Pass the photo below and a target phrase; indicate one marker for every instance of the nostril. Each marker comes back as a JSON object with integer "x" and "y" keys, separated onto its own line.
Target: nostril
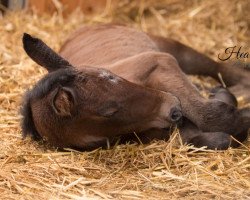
{"x": 175, "y": 115}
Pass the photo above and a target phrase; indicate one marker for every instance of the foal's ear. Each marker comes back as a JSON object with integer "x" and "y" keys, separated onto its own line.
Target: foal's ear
{"x": 43, "y": 55}
{"x": 63, "y": 101}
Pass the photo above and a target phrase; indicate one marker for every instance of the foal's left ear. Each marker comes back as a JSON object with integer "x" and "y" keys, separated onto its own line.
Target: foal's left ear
{"x": 63, "y": 101}
{"x": 43, "y": 55}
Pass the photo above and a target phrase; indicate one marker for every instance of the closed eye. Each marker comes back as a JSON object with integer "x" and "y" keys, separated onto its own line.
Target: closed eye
{"x": 108, "y": 109}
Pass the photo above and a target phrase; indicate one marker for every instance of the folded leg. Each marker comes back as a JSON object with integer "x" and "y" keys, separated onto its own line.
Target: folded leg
{"x": 191, "y": 134}
{"x": 236, "y": 77}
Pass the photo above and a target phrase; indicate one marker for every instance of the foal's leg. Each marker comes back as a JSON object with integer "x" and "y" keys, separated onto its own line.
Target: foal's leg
{"x": 191, "y": 134}
{"x": 222, "y": 94}
{"x": 193, "y": 62}
{"x": 161, "y": 71}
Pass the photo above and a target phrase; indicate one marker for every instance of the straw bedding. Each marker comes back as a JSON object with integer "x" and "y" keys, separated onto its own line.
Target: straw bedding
{"x": 160, "y": 170}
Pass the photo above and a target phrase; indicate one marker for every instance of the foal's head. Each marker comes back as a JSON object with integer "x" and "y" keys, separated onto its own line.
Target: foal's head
{"x": 73, "y": 107}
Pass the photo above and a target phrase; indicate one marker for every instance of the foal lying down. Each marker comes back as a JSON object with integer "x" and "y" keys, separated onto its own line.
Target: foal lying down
{"x": 109, "y": 81}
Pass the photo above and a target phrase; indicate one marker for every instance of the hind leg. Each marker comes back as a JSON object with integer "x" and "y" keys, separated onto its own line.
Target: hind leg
{"x": 192, "y": 62}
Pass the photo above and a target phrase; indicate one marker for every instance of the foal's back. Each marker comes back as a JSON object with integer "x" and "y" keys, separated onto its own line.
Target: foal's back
{"x": 104, "y": 45}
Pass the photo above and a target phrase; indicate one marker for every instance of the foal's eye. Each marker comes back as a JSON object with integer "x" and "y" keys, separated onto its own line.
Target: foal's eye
{"x": 108, "y": 109}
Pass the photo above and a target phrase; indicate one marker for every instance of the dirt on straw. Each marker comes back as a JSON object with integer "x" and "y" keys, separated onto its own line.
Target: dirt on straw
{"x": 160, "y": 170}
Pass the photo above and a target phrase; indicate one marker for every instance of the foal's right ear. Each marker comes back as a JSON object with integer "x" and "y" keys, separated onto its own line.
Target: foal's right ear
{"x": 43, "y": 55}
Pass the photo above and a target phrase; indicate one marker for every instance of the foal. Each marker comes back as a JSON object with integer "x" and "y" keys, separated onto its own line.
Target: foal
{"x": 111, "y": 80}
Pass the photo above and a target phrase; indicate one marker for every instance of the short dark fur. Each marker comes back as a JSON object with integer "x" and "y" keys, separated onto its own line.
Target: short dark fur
{"x": 70, "y": 113}
{"x": 43, "y": 87}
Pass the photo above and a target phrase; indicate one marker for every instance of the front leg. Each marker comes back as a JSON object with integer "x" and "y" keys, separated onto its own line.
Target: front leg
{"x": 191, "y": 134}
{"x": 161, "y": 71}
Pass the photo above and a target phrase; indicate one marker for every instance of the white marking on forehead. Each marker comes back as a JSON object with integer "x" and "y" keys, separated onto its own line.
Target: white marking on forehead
{"x": 112, "y": 78}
